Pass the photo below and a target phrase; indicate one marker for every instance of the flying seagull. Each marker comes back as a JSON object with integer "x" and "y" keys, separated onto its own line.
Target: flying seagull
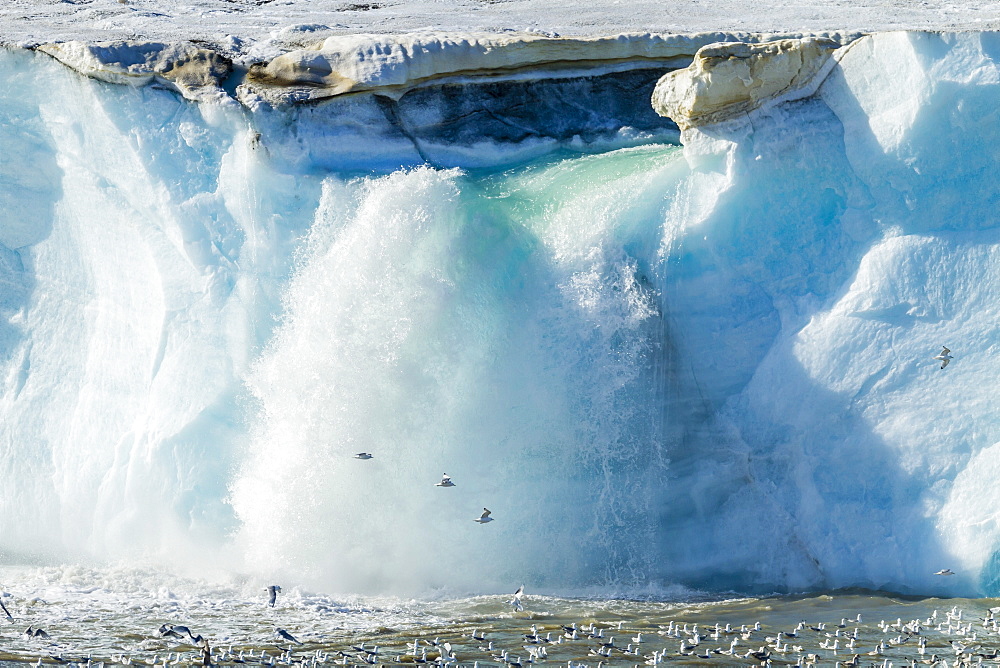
{"x": 178, "y": 631}
{"x": 6, "y": 611}
{"x": 272, "y": 594}
{"x": 168, "y": 630}
{"x": 516, "y": 601}
{"x": 445, "y": 481}
{"x": 945, "y": 571}
{"x": 363, "y": 455}
{"x": 485, "y": 517}
{"x": 944, "y": 356}
{"x": 282, "y": 633}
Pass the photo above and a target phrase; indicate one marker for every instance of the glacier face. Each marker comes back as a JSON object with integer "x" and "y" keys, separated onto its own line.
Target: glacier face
{"x": 860, "y": 221}
{"x": 141, "y": 248}
{"x": 707, "y": 366}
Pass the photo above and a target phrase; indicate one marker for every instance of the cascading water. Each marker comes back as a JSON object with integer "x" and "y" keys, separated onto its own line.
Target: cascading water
{"x": 497, "y": 328}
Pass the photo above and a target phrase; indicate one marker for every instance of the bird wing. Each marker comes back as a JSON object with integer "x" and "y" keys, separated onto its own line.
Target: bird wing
{"x": 945, "y": 350}
{"x": 486, "y": 513}
{"x": 944, "y": 363}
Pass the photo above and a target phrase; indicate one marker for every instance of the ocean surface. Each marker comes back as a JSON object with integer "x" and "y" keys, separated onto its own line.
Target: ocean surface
{"x": 113, "y": 615}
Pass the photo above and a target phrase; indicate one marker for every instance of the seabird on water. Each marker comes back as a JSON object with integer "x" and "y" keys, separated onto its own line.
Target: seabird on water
{"x": 945, "y": 571}
{"x": 445, "y": 481}
{"x": 944, "y": 356}
{"x": 363, "y": 455}
{"x": 32, "y": 632}
{"x": 485, "y": 517}
{"x": 272, "y": 594}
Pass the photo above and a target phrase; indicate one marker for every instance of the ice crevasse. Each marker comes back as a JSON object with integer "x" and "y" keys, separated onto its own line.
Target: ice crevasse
{"x": 708, "y": 365}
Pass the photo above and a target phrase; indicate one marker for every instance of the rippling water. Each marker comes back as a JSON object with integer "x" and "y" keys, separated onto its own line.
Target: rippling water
{"x": 112, "y": 616}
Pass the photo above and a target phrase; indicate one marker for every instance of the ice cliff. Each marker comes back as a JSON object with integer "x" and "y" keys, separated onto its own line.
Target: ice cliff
{"x": 705, "y": 364}
{"x": 851, "y": 221}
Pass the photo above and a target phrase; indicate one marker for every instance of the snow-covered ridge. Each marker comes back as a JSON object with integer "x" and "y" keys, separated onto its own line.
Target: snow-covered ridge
{"x": 387, "y": 64}
{"x": 449, "y": 99}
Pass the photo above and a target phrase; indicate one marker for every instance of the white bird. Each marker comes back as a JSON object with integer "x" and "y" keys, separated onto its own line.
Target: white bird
{"x": 516, "y": 601}
{"x": 272, "y": 594}
{"x": 445, "y": 481}
{"x": 945, "y": 571}
{"x": 363, "y": 455}
{"x": 944, "y": 356}
{"x": 485, "y": 517}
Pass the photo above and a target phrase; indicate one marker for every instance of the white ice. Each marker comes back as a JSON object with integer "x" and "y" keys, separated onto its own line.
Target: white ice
{"x": 712, "y": 369}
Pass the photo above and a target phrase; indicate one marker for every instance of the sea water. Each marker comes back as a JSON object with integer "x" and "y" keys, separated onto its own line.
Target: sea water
{"x": 112, "y": 615}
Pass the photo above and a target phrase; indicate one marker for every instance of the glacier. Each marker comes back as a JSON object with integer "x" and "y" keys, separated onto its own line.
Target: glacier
{"x": 659, "y": 356}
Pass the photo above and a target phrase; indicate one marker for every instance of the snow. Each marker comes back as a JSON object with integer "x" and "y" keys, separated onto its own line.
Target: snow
{"x": 260, "y": 29}
{"x": 195, "y": 73}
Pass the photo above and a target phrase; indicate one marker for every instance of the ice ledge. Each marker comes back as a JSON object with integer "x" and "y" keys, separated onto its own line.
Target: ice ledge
{"x": 389, "y": 65}
{"x": 727, "y": 80}
{"x": 195, "y": 72}
{"x": 393, "y": 64}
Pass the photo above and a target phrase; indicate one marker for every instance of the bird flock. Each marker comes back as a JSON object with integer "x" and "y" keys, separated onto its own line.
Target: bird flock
{"x": 446, "y": 481}
{"x": 514, "y": 636}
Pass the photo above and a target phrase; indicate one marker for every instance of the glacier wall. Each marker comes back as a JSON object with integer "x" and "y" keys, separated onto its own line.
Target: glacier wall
{"x": 142, "y": 241}
{"x": 851, "y": 233}
{"x": 706, "y": 365}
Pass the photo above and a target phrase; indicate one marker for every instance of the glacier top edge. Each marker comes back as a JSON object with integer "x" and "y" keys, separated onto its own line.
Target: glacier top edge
{"x": 384, "y": 64}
